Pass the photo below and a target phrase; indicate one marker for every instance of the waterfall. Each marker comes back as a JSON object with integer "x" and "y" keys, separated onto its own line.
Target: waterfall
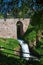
{"x": 26, "y": 52}
{"x": 25, "y": 49}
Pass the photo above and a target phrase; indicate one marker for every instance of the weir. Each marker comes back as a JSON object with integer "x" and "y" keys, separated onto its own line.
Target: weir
{"x": 26, "y": 52}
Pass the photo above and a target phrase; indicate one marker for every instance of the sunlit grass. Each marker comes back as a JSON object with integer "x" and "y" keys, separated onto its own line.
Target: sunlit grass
{"x": 9, "y": 43}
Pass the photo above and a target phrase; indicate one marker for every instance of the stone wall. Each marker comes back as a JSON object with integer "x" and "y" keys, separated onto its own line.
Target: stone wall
{"x": 8, "y": 28}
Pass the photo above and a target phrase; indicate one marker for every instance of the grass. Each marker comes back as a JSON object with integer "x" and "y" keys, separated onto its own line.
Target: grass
{"x": 9, "y": 43}
{"x": 5, "y": 60}
{"x": 14, "y": 60}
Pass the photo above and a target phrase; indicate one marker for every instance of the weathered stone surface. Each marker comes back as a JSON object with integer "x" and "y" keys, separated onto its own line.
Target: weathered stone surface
{"x": 8, "y": 28}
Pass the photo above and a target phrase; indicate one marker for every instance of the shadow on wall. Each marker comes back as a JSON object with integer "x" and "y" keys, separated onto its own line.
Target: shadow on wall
{"x": 20, "y": 31}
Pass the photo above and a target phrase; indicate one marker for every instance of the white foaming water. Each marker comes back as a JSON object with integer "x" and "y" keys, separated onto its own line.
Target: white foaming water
{"x": 25, "y": 49}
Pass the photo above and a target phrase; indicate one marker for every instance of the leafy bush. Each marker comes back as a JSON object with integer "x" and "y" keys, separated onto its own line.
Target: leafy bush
{"x": 30, "y": 35}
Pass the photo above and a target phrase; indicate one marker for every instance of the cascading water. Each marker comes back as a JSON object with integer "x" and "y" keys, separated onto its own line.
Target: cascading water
{"x": 25, "y": 50}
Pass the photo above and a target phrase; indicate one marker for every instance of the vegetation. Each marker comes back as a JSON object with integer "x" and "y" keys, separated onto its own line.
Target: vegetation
{"x": 23, "y": 9}
{"x": 20, "y": 8}
{"x": 8, "y": 45}
{"x": 34, "y": 33}
{"x": 5, "y": 60}
{"x": 35, "y": 29}
{"x": 30, "y": 34}
{"x": 39, "y": 49}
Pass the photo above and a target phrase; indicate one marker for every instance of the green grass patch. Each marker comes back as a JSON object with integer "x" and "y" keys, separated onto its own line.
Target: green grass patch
{"x": 8, "y": 43}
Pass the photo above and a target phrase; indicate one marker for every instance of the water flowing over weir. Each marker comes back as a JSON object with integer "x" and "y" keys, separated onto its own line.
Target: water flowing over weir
{"x": 25, "y": 49}
{"x": 26, "y": 52}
